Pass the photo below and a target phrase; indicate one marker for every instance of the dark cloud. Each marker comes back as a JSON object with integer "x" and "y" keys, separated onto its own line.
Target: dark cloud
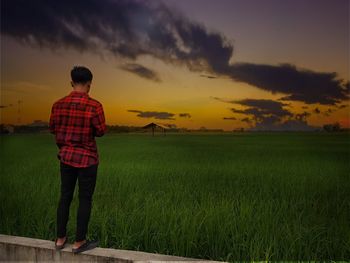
{"x": 161, "y": 115}
{"x": 229, "y": 118}
{"x": 330, "y": 110}
{"x": 247, "y": 120}
{"x": 302, "y": 116}
{"x": 5, "y": 106}
{"x": 261, "y": 108}
{"x": 141, "y": 71}
{"x": 208, "y": 76}
{"x": 185, "y": 115}
{"x": 132, "y": 28}
{"x": 238, "y": 111}
{"x": 265, "y": 114}
{"x": 124, "y": 28}
{"x": 219, "y": 99}
{"x": 300, "y": 84}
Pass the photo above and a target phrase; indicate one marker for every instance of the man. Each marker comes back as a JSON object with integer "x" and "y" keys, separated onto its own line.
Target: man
{"x": 75, "y": 120}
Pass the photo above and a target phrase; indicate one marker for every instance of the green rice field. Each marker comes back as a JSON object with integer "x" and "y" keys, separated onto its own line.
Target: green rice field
{"x": 237, "y": 196}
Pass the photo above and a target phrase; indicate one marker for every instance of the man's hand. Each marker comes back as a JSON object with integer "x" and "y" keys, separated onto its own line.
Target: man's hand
{"x": 98, "y": 122}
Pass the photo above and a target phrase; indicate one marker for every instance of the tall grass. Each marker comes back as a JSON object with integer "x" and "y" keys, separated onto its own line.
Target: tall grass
{"x": 250, "y": 196}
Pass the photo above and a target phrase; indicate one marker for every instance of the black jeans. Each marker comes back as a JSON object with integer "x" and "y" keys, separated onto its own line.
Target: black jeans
{"x": 87, "y": 181}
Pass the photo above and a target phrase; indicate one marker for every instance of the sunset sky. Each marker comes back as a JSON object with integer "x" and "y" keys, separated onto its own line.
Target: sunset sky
{"x": 192, "y": 63}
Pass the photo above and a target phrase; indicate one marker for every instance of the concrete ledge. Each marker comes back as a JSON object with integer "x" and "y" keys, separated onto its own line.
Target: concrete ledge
{"x": 15, "y": 248}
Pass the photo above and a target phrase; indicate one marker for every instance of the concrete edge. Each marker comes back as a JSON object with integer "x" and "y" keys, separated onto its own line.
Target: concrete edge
{"x": 31, "y": 249}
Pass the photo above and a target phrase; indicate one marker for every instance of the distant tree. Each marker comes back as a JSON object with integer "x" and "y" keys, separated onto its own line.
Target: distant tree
{"x": 3, "y": 130}
{"x": 335, "y": 127}
{"x": 327, "y": 127}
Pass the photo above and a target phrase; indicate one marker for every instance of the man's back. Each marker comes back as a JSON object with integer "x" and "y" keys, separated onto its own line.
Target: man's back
{"x": 75, "y": 120}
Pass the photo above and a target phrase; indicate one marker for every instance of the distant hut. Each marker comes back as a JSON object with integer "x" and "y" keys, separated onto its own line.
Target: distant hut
{"x": 156, "y": 127}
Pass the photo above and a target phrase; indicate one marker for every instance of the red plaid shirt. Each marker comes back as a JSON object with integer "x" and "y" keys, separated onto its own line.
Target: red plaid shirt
{"x": 75, "y": 120}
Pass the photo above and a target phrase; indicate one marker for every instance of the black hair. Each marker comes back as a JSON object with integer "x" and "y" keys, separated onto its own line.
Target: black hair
{"x": 81, "y": 74}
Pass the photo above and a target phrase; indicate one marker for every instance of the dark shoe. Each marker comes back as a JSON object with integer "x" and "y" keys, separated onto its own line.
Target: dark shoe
{"x": 89, "y": 244}
{"x": 58, "y": 247}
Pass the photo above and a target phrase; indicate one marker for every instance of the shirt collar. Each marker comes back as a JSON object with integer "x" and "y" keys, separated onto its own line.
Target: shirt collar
{"x": 78, "y": 94}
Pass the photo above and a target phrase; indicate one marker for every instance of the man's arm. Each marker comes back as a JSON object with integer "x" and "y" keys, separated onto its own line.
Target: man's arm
{"x": 98, "y": 122}
{"x": 52, "y": 120}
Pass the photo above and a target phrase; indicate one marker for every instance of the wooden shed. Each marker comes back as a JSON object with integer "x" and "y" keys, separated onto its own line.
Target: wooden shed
{"x": 156, "y": 127}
